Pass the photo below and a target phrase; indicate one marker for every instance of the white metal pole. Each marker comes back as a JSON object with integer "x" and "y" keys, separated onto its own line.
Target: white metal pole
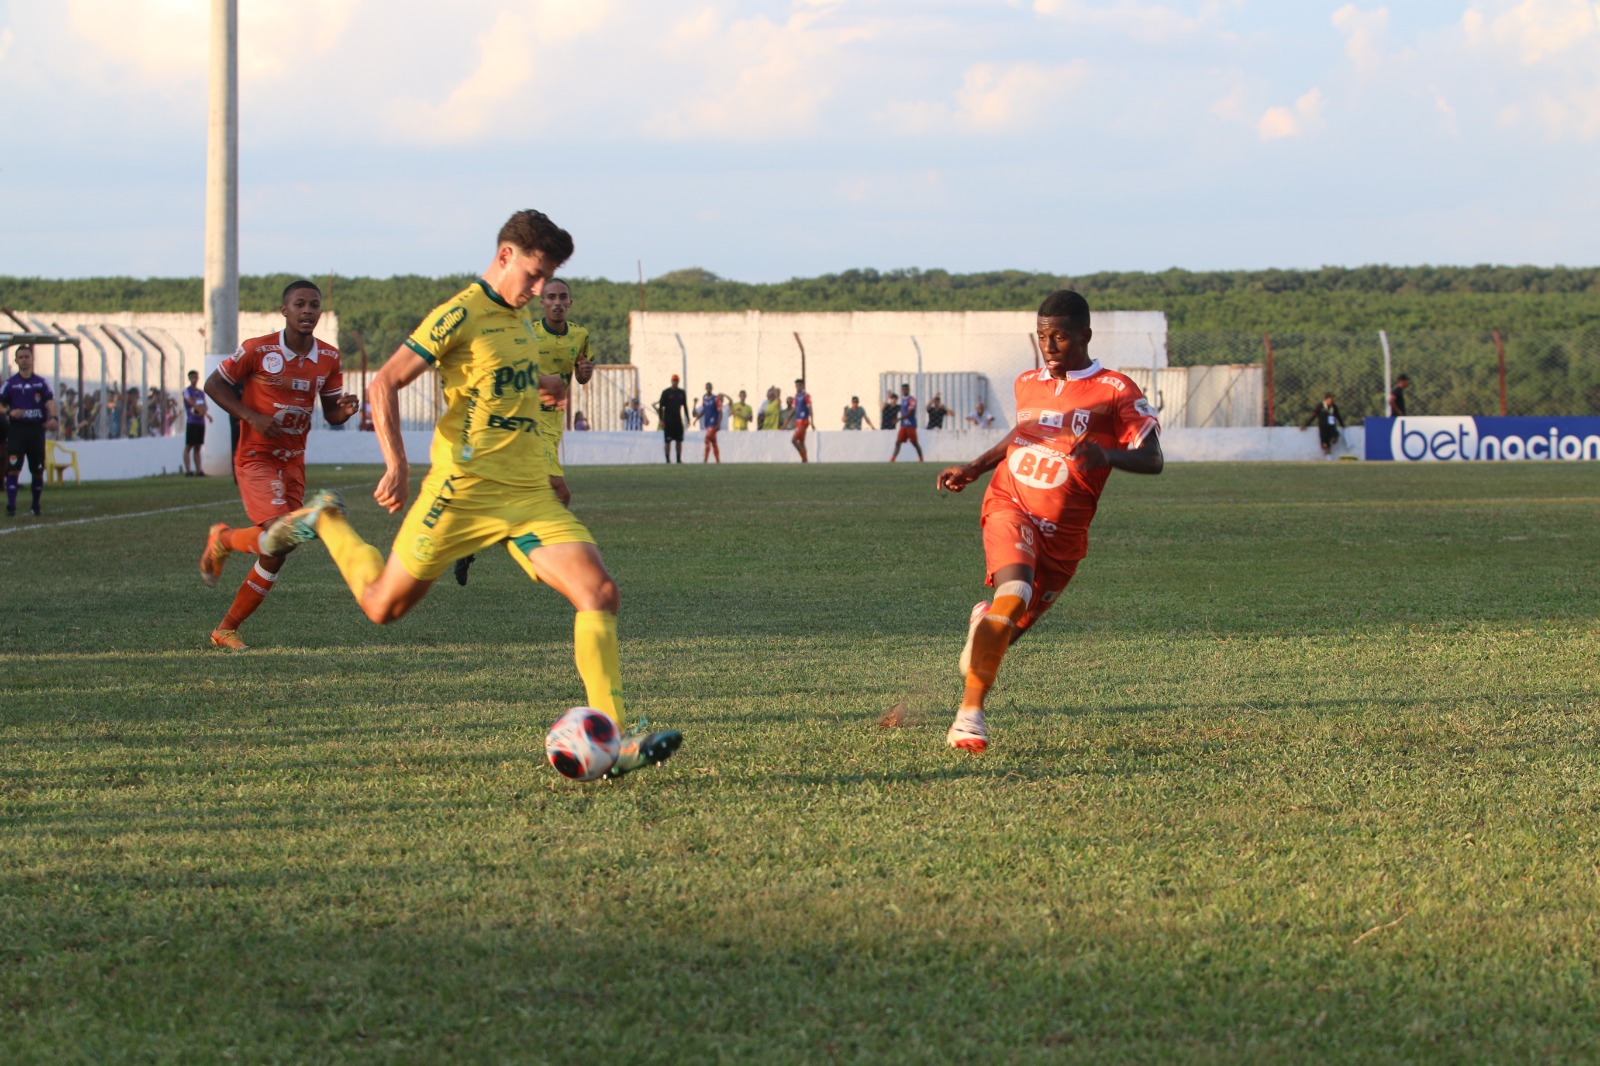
{"x": 1383, "y": 339}
{"x": 222, "y": 215}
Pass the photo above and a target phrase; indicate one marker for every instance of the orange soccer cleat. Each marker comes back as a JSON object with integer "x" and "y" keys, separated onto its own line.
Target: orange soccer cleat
{"x": 215, "y": 555}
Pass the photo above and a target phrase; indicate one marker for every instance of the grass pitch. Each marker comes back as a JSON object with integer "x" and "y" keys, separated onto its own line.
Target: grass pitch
{"x": 1302, "y": 767}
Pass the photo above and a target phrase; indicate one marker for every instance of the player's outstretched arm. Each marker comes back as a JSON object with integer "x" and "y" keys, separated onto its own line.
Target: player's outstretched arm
{"x": 956, "y": 478}
{"x": 403, "y": 367}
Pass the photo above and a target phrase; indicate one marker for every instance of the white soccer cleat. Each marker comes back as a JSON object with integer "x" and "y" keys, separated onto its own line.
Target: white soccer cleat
{"x": 979, "y": 609}
{"x": 968, "y": 733}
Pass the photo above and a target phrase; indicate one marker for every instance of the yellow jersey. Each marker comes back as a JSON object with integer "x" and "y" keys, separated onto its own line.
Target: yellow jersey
{"x": 488, "y": 364}
{"x": 557, "y": 353}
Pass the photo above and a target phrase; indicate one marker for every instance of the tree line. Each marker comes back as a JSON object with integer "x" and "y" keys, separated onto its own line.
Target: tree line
{"x": 378, "y": 313}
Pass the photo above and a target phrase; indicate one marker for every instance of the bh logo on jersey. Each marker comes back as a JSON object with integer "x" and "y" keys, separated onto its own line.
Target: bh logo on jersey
{"x": 1039, "y": 467}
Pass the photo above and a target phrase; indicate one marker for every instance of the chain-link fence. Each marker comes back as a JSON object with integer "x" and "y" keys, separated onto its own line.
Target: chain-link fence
{"x": 1554, "y": 372}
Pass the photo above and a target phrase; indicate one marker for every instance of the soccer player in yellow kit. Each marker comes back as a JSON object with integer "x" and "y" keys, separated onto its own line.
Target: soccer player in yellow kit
{"x": 564, "y": 351}
{"x": 490, "y": 476}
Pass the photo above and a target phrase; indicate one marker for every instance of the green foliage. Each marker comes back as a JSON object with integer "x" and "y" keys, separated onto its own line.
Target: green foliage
{"x": 1303, "y": 768}
{"x": 1480, "y": 298}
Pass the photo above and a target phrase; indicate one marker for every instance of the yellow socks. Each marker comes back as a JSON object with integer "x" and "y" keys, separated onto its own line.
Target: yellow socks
{"x": 594, "y": 646}
{"x": 359, "y": 563}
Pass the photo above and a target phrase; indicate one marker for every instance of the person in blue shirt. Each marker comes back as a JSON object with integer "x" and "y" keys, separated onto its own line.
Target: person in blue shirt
{"x": 802, "y": 418}
{"x": 709, "y": 412}
{"x": 906, "y": 414}
{"x": 30, "y": 406}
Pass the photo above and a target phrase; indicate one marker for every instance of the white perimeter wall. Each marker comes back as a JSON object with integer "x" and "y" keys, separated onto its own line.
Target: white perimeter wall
{"x": 846, "y": 351}
{"x": 117, "y": 460}
{"x": 181, "y": 334}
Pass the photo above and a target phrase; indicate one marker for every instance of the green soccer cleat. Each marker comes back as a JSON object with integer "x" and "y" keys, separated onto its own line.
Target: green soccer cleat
{"x": 641, "y": 749}
{"x": 298, "y": 527}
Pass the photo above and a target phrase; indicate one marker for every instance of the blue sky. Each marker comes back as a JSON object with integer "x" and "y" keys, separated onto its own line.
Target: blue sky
{"x": 764, "y": 140}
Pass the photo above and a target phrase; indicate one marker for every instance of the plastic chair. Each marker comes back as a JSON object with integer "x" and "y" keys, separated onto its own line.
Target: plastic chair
{"x": 55, "y": 467}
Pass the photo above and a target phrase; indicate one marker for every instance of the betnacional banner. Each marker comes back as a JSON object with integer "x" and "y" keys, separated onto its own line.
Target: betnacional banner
{"x": 1438, "y": 438}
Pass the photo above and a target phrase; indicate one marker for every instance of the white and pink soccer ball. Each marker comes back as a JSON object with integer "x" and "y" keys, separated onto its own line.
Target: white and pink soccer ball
{"x": 583, "y": 744}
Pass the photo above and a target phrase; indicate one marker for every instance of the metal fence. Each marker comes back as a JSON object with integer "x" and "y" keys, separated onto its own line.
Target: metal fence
{"x": 1488, "y": 372}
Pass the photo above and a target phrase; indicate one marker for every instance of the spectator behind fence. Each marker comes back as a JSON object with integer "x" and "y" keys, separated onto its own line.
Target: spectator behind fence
{"x": 771, "y": 416}
{"x": 1328, "y": 421}
{"x": 580, "y": 424}
{"x": 1397, "y": 397}
{"x": 936, "y": 412}
{"x": 981, "y": 418}
{"x": 739, "y": 414}
{"x": 889, "y": 416}
{"x": 855, "y": 415}
{"x": 633, "y": 417}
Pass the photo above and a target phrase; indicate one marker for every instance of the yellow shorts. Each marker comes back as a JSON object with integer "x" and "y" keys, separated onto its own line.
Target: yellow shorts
{"x": 457, "y": 515}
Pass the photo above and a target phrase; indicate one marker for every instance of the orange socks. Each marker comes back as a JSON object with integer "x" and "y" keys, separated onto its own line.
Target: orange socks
{"x": 991, "y": 638}
{"x": 246, "y": 539}
{"x": 257, "y": 583}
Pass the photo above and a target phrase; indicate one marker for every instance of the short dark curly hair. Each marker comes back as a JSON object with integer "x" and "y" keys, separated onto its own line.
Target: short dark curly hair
{"x": 1064, "y": 303}
{"x": 532, "y": 231}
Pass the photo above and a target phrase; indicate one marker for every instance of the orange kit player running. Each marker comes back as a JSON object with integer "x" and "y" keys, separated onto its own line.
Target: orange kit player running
{"x": 1076, "y": 421}
{"x": 270, "y": 385}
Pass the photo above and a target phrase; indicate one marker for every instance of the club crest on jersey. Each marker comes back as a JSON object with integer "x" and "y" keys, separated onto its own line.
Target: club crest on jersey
{"x": 1051, "y": 419}
{"x": 272, "y": 362}
{"x": 1080, "y": 422}
{"x": 1144, "y": 407}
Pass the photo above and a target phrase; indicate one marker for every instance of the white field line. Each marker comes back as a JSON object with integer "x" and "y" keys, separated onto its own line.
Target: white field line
{"x": 41, "y": 527}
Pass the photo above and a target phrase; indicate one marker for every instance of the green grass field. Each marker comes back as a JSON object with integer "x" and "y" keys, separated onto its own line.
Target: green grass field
{"x": 1303, "y": 767}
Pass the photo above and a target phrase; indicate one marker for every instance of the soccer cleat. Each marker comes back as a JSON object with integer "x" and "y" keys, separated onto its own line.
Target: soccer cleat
{"x": 227, "y": 640}
{"x": 461, "y": 569}
{"x": 979, "y": 609}
{"x": 968, "y": 732}
{"x": 35, "y": 511}
{"x": 641, "y": 749}
{"x": 11, "y": 512}
{"x": 298, "y": 527}
{"x": 214, "y": 556}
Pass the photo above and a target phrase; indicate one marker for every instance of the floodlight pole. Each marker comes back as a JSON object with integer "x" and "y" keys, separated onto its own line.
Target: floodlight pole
{"x": 222, "y": 211}
{"x": 1383, "y": 338}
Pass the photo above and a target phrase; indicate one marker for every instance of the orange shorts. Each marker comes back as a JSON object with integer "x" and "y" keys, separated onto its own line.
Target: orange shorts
{"x": 907, "y": 433}
{"x": 269, "y": 488}
{"x": 800, "y": 425}
{"x": 1010, "y": 539}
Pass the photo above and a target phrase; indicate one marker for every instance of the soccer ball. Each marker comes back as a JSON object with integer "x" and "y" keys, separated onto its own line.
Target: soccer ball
{"x": 583, "y": 744}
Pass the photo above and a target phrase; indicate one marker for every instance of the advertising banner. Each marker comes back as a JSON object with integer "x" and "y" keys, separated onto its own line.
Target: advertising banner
{"x": 1450, "y": 438}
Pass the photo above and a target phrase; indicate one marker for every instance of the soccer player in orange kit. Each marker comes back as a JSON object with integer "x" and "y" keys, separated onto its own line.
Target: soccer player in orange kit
{"x": 270, "y": 385}
{"x": 1076, "y": 422}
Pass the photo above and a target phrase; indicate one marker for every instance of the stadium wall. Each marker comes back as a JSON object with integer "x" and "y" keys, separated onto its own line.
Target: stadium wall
{"x": 846, "y": 351}
{"x": 151, "y": 456}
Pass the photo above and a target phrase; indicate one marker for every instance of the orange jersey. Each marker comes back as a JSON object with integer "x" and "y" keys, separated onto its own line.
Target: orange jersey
{"x": 277, "y": 382}
{"x": 1056, "y": 494}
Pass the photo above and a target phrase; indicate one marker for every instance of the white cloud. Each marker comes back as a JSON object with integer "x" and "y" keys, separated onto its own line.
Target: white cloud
{"x": 1279, "y": 122}
{"x": 1234, "y": 107}
{"x": 754, "y": 79}
{"x": 1364, "y": 35}
{"x": 991, "y": 99}
{"x": 1536, "y": 29}
{"x": 1149, "y": 23}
